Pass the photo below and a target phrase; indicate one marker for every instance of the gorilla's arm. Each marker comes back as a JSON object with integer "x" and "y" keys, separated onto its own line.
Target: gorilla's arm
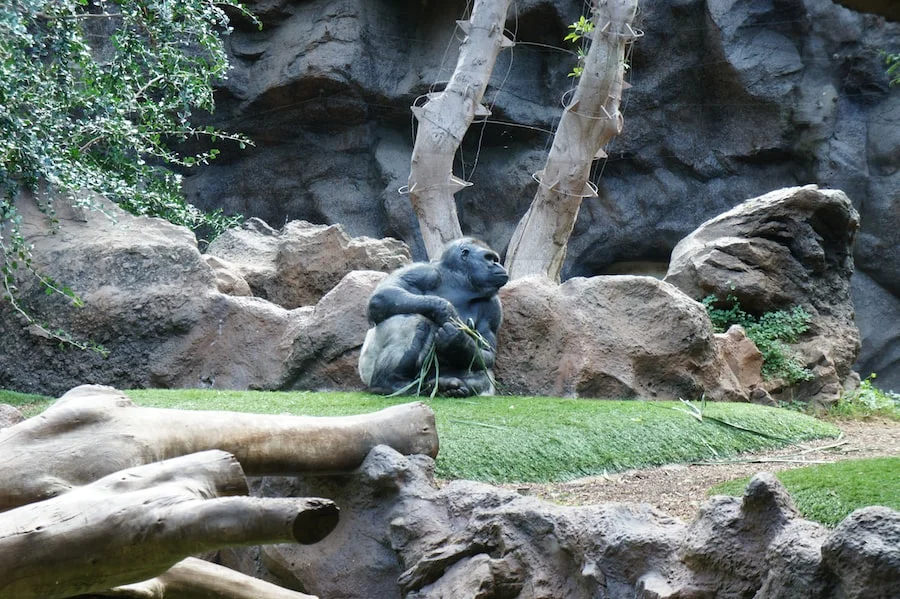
{"x": 487, "y": 327}
{"x": 458, "y": 347}
{"x": 410, "y": 291}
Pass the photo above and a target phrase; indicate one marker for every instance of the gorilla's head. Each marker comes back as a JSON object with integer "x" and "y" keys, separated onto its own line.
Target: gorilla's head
{"x": 476, "y": 263}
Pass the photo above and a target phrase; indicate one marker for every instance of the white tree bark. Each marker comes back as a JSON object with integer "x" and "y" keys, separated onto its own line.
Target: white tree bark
{"x": 443, "y": 121}
{"x": 92, "y": 431}
{"x": 135, "y": 524}
{"x": 589, "y": 122}
{"x": 193, "y": 578}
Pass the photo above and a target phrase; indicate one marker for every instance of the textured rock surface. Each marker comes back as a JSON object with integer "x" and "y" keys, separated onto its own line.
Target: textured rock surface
{"x": 739, "y": 545}
{"x": 154, "y": 303}
{"x": 742, "y": 356}
{"x": 730, "y": 100}
{"x": 864, "y": 551}
{"x": 403, "y": 537}
{"x": 297, "y": 265}
{"x": 159, "y": 308}
{"x": 616, "y": 336}
{"x": 143, "y": 283}
{"x": 9, "y": 415}
{"x": 789, "y": 247}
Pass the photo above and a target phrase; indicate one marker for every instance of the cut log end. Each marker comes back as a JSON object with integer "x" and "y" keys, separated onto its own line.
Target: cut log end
{"x": 316, "y": 521}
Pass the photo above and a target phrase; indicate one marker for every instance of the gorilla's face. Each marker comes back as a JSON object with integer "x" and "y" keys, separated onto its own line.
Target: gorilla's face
{"x": 482, "y": 267}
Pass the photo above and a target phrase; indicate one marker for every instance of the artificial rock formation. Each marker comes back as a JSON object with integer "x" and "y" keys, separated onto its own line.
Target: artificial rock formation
{"x": 158, "y": 307}
{"x": 615, "y": 336}
{"x": 730, "y": 100}
{"x": 787, "y": 248}
{"x": 154, "y": 303}
{"x": 300, "y": 263}
{"x": 467, "y": 539}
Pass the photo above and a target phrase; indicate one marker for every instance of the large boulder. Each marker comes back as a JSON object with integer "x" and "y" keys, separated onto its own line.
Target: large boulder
{"x": 790, "y": 247}
{"x": 152, "y": 301}
{"x": 402, "y": 536}
{"x": 142, "y": 281}
{"x": 730, "y": 100}
{"x": 298, "y": 264}
{"x": 613, "y": 337}
{"x": 756, "y": 546}
{"x": 864, "y": 550}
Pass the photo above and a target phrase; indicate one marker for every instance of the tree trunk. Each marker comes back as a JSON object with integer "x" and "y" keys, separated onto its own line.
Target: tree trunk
{"x": 93, "y": 431}
{"x": 193, "y": 578}
{"x": 443, "y": 121}
{"x": 135, "y": 524}
{"x": 589, "y": 122}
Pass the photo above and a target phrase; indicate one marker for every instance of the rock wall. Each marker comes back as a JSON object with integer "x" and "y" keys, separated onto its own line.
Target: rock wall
{"x": 403, "y": 537}
{"x": 286, "y": 309}
{"x": 730, "y": 100}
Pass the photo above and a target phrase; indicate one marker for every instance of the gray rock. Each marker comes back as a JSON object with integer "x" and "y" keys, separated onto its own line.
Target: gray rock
{"x": 616, "y": 336}
{"x": 143, "y": 284}
{"x": 738, "y": 545}
{"x": 325, "y": 352}
{"x": 298, "y": 264}
{"x": 742, "y": 356}
{"x": 864, "y": 553}
{"x": 154, "y": 303}
{"x": 401, "y": 536}
{"x": 9, "y": 415}
{"x": 791, "y": 247}
{"x": 379, "y": 502}
{"x": 876, "y": 308}
{"x": 228, "y": 280}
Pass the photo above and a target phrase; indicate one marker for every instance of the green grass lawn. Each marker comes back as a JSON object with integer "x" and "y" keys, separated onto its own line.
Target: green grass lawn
{"x": 826, "y": 493}
{"x": 534, "y": 439}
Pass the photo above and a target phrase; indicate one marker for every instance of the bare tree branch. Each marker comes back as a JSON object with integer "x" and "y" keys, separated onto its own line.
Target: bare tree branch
{"x": 444, "y": 119}
{"x": 93, "y": 431}
{"x": 135, "y": 524}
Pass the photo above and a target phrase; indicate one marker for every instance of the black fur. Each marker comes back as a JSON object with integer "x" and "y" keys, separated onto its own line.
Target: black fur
{"x": 415, "y": 307}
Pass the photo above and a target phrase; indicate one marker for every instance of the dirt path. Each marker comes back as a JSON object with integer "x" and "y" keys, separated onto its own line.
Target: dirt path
{"x": 679, "y": 490}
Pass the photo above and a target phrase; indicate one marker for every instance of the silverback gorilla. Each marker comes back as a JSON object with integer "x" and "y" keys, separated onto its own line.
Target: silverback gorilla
{"x": 422, "y": 306}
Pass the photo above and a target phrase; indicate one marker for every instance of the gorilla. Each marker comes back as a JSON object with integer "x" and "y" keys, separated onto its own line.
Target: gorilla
{"x": 420, "y": 315}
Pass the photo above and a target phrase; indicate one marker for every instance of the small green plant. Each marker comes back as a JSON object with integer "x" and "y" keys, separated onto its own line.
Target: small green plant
{"x": 770, "y": 332}
{"x": 579, "y": 29}
{"x": 892, "y": 60}
{"x": 866, "y": 401}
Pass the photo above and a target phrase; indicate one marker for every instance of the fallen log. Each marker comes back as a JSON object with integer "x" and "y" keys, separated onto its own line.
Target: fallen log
{"x": 135, "y": 524}
{"x": 194, "y": 578}
{"x": 92, "y": 431}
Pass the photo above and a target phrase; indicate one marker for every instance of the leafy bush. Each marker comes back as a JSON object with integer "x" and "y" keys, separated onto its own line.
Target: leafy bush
{"x": 867, "y": 400}
{"x": 93, "y": 93}
{"x": 769, "y": 332}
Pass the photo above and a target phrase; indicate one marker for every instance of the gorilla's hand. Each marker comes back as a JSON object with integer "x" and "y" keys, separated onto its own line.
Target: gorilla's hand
{"x": 442, "y": 311}
{"x": 450, "y": 338}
